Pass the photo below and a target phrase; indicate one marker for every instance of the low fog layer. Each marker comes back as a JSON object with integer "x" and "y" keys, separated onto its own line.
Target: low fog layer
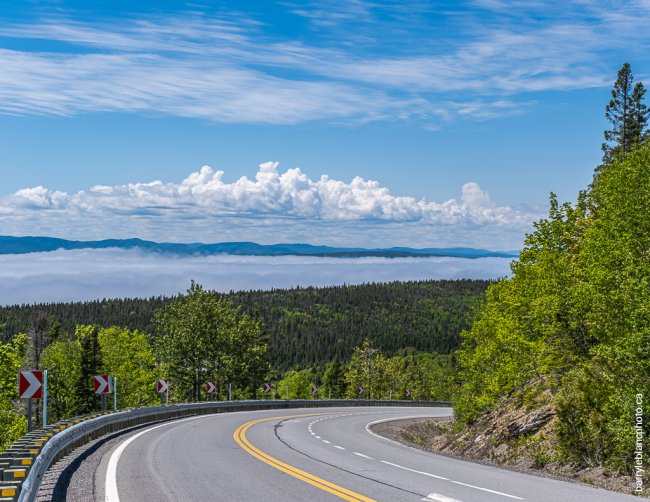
{"x": 109, "y": 273}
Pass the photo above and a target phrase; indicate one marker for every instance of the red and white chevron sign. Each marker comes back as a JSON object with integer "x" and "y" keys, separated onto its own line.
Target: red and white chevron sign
{"x": 162, "y": 385}
{"x": 408, "y": 392}
{"x": 361, "y": 390}
{"x": 314, "y": 389}
{"x": 102, "y": 384}
{"x": 210, "y": 387}
{"x": 266, "y": 387}
{"x": 30, "y": 384}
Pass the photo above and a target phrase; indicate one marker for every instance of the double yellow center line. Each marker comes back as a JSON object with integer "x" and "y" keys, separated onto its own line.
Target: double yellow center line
{"x": 339, "y": 491}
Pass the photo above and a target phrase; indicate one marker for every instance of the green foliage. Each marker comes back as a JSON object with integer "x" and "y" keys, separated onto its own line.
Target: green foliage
{"x": 203, "y": 337}
{"x": 528, "y": 326}
{"x": 362, "y": 371}
{"x": 598, "y": 400}
{"x": 576, "y": 316}
{"x": 426, "y": 375}
{"x": 12, "y": 424}
{"x": 127, "y": 356}
{"x": 429, "y": 376}
{"x": 62, "y": 359}
{"x": 299, "y": 384}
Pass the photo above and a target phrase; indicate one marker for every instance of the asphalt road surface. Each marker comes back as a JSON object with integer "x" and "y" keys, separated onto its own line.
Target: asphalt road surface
{"x": 306, "y": 455}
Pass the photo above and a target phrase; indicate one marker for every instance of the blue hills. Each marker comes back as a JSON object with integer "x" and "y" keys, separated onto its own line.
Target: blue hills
{"x": 23, "y": 245}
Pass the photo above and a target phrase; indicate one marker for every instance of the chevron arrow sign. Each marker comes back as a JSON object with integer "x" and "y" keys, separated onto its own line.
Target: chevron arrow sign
{"x": 30, "y": 384}
{"x": 102, "y": 384}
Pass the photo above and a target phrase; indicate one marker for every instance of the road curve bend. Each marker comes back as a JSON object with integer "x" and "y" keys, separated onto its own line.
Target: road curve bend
{"x": 316, "y": 454}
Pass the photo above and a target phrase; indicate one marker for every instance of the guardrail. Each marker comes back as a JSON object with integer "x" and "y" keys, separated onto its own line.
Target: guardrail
{"x": 25, "y": 463}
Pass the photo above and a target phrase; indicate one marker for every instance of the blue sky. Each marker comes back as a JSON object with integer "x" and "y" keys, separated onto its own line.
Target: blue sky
{"x": 393, "y": 123}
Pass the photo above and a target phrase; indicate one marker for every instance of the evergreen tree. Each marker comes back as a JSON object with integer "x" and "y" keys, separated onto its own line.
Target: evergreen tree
{"x": 627, "y": 114}
{"x": 90, "y": 364}
{"x": 639, "y": 114}
{"x": 38, "y": 337}
{"x": 334, "y": 379}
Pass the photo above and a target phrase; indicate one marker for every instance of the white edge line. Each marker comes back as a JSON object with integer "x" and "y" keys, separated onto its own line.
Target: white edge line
{"x": 413, "y": 470}
{"x": 487, "y": 490}
{"x": 440, "y": 498}
{"x": 111, "y": 494}
{"x": 370, "y": 424}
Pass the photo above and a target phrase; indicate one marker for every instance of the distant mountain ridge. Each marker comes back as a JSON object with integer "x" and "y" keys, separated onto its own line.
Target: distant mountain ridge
{"x": 23, "y": 245}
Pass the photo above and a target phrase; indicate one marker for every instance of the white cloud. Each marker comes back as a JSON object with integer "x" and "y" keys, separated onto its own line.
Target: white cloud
{"x": 230, "y": 69}
{"x": 108, "y": 273}
{"x": 271, "y": 207}
{"x": 272, "y": 194}
{"x": 476, "y": 198}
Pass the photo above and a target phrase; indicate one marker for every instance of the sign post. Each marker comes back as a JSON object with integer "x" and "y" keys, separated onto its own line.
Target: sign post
{"x": 114, "y": 393}
{"x": 44, "y": 399}
{"x": 230, "y": 391}
{"x": 30, "y": 386}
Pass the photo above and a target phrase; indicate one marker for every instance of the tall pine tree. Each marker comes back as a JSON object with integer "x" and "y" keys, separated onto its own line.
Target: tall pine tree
{"x": 91, "y": 362}
{"x": 639, "y": 115}
{"x": 628, "y": 115}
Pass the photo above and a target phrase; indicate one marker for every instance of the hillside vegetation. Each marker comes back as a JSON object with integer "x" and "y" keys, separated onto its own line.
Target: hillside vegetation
{"x": 570, "y": 331}
{"x": 305, "y": 326}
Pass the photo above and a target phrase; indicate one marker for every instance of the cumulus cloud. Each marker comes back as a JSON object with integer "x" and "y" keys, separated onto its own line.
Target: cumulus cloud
{"x": 476, "y": 198}
{"x": 290, "y": 196}
{"x": 109, "y": 273}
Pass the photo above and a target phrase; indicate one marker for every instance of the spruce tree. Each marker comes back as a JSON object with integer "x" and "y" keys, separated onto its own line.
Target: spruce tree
{"x": 91, "y": 363}
{"x": 628, "y": 115}
{"x": 640, "y": 114}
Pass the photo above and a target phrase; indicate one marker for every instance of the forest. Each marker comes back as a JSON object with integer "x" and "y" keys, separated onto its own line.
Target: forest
{"x": 305, "y": 326}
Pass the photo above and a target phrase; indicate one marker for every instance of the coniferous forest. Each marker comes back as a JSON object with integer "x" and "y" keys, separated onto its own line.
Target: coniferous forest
{"x": 304, "y": 326}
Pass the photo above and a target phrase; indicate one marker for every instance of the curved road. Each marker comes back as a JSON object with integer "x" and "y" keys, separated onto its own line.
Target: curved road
{"x": 306, "y": 455}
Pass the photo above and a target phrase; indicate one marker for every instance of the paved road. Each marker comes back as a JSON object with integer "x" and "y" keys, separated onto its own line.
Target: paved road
{"x": 306, "y": 455}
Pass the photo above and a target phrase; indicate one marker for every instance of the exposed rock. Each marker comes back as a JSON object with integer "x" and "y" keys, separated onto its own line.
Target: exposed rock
{"x": 532, "y": 424}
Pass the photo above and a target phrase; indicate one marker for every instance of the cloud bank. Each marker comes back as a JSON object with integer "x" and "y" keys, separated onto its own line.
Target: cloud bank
{"x": 110, "y": 273}
{"x": 204, "y": 202}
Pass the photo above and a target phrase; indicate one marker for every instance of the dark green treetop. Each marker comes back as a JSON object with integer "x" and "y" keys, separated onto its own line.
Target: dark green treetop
{"x": 628, "y": 116}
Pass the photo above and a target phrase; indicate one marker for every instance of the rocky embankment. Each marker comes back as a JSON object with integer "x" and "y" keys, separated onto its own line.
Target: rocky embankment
{"x": 513, "y": 436}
